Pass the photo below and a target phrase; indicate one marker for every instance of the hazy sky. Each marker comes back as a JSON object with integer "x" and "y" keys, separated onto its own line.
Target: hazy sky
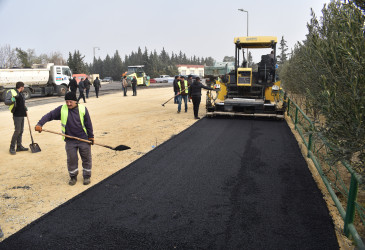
{"x": 196, "y": 27}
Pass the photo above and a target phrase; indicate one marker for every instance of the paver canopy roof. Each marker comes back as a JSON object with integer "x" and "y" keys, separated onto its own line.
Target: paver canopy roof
{"x": 256, "y": 42}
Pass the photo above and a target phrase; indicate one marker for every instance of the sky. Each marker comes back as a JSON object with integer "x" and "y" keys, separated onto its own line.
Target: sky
{"x": 196, "y": 27}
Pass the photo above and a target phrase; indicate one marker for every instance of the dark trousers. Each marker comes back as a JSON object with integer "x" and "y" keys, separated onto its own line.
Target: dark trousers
{"x": 18, "y": 132}
{"x": 87, "y": 93}
{"x": 196, "y": 103}
{"x": 176, "y": 99}
{"x": 74, "y": 91}
{"x": 81, "y": 96}
{"x": 125, "y": 91}
{"x": 134, "y": 87}
{"x": 97, "y": 92}
{"x": 84, "y": 149}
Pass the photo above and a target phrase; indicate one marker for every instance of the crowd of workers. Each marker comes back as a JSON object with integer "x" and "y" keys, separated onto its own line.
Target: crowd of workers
{"x": 75, "y": 118}
{"x": 76, "y": 121}
{"x": 188, "y": 90}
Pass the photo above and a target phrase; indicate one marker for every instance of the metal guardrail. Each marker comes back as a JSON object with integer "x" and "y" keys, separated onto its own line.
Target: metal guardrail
{"x": 334, "y": 175}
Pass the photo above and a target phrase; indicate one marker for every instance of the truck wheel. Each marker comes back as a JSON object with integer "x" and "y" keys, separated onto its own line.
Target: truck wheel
{"x": 61, "y": 90}
{"x": 27, "y": 93}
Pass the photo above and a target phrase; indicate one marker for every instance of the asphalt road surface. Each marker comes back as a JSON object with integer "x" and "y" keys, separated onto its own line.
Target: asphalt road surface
{"x": 220, "y": 184}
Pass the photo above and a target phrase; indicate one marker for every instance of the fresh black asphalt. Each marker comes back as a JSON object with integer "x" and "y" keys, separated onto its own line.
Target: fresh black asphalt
{"x": 220, "y": 184}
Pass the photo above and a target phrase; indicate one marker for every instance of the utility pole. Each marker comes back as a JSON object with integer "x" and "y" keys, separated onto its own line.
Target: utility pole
{"x": 247, "y": 30}
{"x": 94, "y": 51}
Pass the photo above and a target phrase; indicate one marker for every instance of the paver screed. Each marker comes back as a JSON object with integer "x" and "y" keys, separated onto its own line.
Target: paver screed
{"x": 220, "y": 184}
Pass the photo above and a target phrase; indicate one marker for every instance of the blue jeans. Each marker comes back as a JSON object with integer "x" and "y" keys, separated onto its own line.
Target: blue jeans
{"x": 176, "y": 99}
{"x": 185, "y": 97}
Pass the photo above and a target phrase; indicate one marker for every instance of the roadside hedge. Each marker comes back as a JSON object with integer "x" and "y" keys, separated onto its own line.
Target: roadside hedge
{"x": 328, "y": 71}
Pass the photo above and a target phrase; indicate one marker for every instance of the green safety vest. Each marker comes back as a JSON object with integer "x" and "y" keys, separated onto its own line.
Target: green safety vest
{"x": 64, "y": 116}
{"x": 13, "y": 94}
{"x": 186, "y": 86}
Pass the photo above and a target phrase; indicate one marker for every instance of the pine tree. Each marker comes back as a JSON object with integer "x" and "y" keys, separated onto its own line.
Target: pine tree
{"x": 117, "y": 66}
{"x": 23, "y": 57}
{"x": 283, "y": 57}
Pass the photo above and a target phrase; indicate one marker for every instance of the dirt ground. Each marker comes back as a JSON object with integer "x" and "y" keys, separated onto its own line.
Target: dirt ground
{"x": 33, "y": 184}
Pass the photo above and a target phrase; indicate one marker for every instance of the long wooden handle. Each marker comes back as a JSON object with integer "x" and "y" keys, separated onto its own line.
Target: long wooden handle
{"x": 68, "y": 136}
{"x": 30, "y": 129}
{"x": 76, "y": 138}
{"x": 173, "y": 97}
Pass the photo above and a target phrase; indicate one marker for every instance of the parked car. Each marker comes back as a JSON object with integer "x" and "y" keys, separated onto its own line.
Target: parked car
{"x": 152, "y": 80}
{"x": 164, "y": 78}
{"x": 107, "y": 79}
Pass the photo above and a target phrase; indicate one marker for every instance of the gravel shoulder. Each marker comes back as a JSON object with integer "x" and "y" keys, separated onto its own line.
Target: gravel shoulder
{"x": 33, "y": 184}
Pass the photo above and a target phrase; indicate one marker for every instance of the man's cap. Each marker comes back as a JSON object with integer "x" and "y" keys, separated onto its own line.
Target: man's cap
{"x": 70, "y": 96}
{"x": 197, "y": 79}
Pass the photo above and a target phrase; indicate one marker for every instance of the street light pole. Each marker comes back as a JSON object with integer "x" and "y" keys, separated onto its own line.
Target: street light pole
{"x": 94, "y": 50}
{"x": 247, "y": 28}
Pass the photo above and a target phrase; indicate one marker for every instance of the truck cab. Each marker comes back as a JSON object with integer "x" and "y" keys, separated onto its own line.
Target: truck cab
{"x": 60, "y": 74}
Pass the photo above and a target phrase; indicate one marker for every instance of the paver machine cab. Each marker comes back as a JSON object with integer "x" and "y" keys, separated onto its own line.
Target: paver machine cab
{"x": 244, "y": 91}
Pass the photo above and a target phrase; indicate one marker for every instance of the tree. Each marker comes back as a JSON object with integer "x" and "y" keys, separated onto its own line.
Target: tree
{"x": 155, "y": 64}
{"x": 328, "y": 70}
{"x": 228, "y": 59}
{"x": 8, "y": 57}
{"x": 107, "y": 66}
{"x": 117, "y": 66}
{"x": 283, "y": 57}
{"x": 76, "y": 63}
{"x": 209, "y": 61}
{"x": 23, "y": 57}
{"x": 56, "y": 58}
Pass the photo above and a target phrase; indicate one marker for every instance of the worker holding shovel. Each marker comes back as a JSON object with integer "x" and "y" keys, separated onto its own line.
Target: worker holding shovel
{"x": 76, "y": 122}
{"x": 16, "y": 102}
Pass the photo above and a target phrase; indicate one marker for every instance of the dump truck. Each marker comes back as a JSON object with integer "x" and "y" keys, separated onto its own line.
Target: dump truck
{"x": 42, "y": 79}
{"x": 138, "y": 72}
{"x": 244, "y": 91}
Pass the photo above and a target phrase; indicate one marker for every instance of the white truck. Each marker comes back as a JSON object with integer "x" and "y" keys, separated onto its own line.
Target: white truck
{"x": 44, "y": 80}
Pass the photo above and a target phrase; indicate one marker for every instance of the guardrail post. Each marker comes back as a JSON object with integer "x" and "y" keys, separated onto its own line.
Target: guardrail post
{"x": 296, "y": 117}
{"x": 350, "y": 210}
{"x": 309, "y": 143}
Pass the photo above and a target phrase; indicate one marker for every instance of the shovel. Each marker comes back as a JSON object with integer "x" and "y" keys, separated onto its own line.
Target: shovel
{"x": 118, "y": 148}
{"x": 34, "y": 147}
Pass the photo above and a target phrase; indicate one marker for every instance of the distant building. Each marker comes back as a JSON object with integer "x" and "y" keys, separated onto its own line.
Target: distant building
{"x": 188, "y": 69}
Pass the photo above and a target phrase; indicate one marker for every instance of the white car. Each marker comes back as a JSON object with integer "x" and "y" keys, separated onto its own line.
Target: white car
{"x": 165, "y": 79}
{"x": 107, "y": 79}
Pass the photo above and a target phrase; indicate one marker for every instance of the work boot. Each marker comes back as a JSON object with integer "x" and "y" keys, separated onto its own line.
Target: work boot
{"x": 12, "y": 151}
{"x": 72, "y": 181}
{"x": 21, "y": 148}
{"x": 197, "y": 117}
{"x": 178, "y": 111}
{"x": 86, "y": 180}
